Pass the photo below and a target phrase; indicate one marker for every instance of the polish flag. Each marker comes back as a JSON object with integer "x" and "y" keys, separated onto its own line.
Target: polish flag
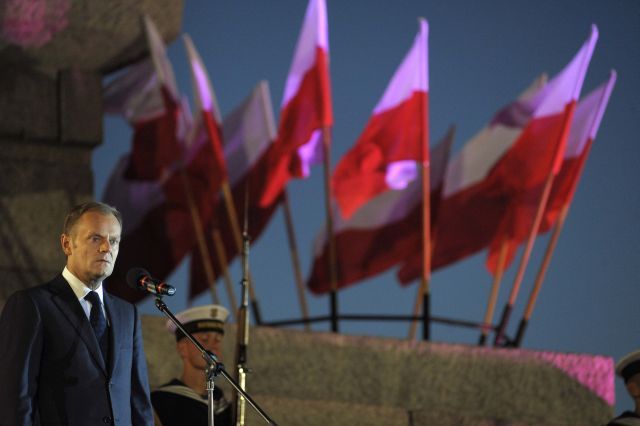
{"x": 381, "y": 234}
{"x": 467, "y": 214}
{"x": 387, "y": 153}
{"x": 155, "y": 146}
{"x": 539, "y": 149}
{"x": 586, "y": 121}
{"x": 306, "y": 106}
{"x": 149, "y": 193}
{"x": 207, "y": 111}
{"x": 158, "y": 229}
{"x": 249, "y": 131}
{"x": 146, "y": 96}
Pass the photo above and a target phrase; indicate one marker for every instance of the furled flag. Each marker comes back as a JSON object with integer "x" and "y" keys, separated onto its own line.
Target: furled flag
{"x": 249, "y": 131}
{"x": 586, "y": 121}
{"x": 469, "y": 209}
{"x": 538, "y": 151}
{"x": 306, "y": 106}
{"x": 383, "y": 233}
{"x": 386, "y": 154}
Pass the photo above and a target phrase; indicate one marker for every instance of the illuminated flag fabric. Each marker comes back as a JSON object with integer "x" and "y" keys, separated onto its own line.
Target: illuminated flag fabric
{"x": 151, "y": 194}
{"x": 306, "y": 106}
{"x": 207, "y": 112}
{"x": 248, "y": 131}
{"x": 383, "y": 233}
{"x": 539, "y": 149}
{"x": 586, "y": 121}
{"x": 468, "y": 211}
{"x": 385, "y": 156}
{"x": 158, "y": 224}
{"x": 155, "y": 145}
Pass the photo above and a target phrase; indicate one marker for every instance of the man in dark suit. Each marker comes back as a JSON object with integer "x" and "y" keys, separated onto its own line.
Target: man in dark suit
{"x": 71, "y": 354}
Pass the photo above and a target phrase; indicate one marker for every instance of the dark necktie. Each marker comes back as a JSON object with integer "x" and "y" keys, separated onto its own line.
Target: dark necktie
{"x": 99, "y": 323}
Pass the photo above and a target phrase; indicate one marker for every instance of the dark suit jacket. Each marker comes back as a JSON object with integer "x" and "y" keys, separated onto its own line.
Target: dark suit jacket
{"x": 51, "y": 367}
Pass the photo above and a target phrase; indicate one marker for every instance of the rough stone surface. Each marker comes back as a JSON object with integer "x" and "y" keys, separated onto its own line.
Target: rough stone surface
{"x": 30, "y": 227}
{"x": 320, "y": 378}
{"x": 85, "y": 34}
{"x": 28, "y": 102}
{"x": 53, "y": 55}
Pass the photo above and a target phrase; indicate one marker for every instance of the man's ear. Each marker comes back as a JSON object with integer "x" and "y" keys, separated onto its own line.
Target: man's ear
{"x": 65, "y": 242}
{"x": 181, "y": 348}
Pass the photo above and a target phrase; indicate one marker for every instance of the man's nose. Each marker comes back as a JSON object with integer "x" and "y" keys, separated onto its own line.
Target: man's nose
{"x": 105, "y": 247}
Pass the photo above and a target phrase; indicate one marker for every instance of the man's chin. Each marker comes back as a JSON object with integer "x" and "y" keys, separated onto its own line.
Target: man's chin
{"x": 100, "y": 276}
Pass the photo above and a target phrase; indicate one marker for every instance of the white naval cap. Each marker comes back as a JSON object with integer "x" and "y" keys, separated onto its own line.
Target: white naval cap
{"x": 200, "y": 318}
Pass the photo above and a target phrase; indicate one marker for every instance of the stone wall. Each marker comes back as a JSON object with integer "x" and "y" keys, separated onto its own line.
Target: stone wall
{"x": 313, "y": 378}
{"x": 51, "y": 71}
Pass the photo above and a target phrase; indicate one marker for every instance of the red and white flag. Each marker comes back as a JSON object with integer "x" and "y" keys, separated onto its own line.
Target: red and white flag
{"x": 306, "y": 106}
{"x": 468, "y": 212}
{"x": 385, "y": 156}
{"x": 249, "y": 132}
{"x": 381, "y": 234}
{"x": 539, "y": 149}
{"x": 148, "y": 187}
{"x": 586, "y": 121}
{"x": 207, "y": 111}
{"x": 155, "y": 126}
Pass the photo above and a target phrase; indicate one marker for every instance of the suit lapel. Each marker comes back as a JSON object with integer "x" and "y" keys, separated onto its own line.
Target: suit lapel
{"x": 114, "y": 330}
{"x": 65, "y": 299}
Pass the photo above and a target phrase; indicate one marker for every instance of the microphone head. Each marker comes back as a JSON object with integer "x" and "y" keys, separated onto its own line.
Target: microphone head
{"x": 134, "y": 276}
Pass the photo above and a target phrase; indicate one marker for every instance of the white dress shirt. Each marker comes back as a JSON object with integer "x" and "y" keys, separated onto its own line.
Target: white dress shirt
{"x": 80, "y": 289}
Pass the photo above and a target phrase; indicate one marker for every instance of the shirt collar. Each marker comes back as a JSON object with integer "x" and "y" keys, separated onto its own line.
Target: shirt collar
{"x": 79, "y": 288}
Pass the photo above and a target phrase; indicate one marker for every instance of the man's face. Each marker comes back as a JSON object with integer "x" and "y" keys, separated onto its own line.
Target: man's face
{"x": 210, "y": 340}
{"x": 92, "y": 247}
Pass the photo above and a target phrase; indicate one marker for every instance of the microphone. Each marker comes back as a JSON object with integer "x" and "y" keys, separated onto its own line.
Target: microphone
{"x": 140, "y": 279}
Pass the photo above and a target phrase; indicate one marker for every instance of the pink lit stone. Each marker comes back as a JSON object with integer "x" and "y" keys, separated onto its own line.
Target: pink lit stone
{"x": 33, "y": 23}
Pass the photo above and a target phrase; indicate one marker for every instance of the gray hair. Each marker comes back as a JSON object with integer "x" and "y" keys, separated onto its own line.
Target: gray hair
{"x": 76, "y": 212}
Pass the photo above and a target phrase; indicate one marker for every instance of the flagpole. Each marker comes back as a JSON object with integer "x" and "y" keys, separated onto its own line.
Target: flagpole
{"x": 551, "y": 246}
{"x": 235, "y": 228}
{"x": 506, "y": 313}
{"x": 434, "y": 231}
{"x": 426, "y": 256}
{"x": 565, "y": 211}
{"x": 425, "y": 280}
{"x": 202, "y": 246}
{"x": 333, "y": 273}
{"x": 419, "y": 300}
{"x": 417, "y": 305}
{"x": 228, "y": 202}
{"x": 222, "y": 258}
{"x": 540, "y": 276}
{"x": 493, "y": 297}
{"x": 542, "y": 205}
{"x": 295, "y": 260}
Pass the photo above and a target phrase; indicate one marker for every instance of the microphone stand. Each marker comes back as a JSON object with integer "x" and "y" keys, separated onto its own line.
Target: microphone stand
{"x": 215, "y": 367}
{"x": 242, "y": 343}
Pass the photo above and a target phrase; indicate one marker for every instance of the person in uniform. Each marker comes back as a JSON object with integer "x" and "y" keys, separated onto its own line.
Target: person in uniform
{"x": 629, "y": 369}
{"x": 184, "y": 401}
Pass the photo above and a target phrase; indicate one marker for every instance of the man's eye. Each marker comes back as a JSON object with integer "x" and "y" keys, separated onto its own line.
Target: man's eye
{"x": 114, "y": 242}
